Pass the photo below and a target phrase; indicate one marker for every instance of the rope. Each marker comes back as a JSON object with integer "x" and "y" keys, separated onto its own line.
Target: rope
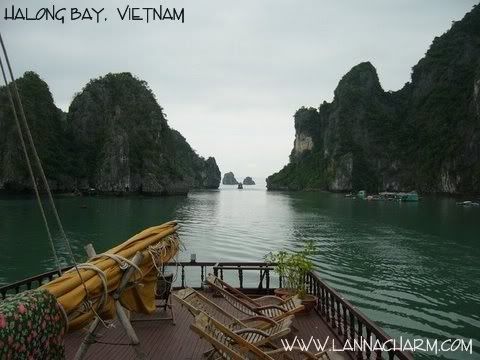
{"x": 158, "y": 250}
{"x": 30, "y": 170}
{"x": 64, "y": 314}
{"x": 101, "y": 275}
{"x": 39, "y": 164}
{"x": 121, "y": 261}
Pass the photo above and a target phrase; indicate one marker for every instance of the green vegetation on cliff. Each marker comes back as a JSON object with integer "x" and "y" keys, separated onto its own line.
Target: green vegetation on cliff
{"x": 47, "y": 128}
{"x": 425, "y": 136}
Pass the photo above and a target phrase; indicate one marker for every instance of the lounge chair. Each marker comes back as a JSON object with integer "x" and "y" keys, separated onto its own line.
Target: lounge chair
{"x": 270, "y": 306}
{"x": 264, "y": 329}
{"x": 231, "y": 345}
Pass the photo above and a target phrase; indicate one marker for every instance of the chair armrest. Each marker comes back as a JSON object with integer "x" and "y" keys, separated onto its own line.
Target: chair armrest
{"x": 250, "y": 331}
{"x": 266, "y": 307}
{"x": 269, "y": 299}
{"x": 260, "y": 318}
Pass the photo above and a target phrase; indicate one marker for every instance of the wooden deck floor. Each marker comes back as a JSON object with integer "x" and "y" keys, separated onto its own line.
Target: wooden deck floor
{"x": 163, "y": 340}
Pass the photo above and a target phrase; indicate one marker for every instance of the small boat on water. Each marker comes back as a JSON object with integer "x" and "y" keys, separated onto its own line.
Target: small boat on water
{"x": 411, "y": 196}
{"x": 468, "y": 203}
{"x": 240, "y": 186}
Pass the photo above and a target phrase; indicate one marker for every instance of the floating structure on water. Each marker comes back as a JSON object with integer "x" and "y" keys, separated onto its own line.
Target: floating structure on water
{"x": 386, "y": 196}
{"x": 468, "y": 203}
{"x": 240, "y": 186}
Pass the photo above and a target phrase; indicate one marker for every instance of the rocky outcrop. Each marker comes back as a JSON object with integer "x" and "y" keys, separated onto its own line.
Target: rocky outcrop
{"x": 423, "y": 137}
{"x": 229, "y": 179}
{"x": 302, "y": 143}
{"x": 114, "y": 138}
{"x": 210, "y": 176}
{"x": 248, "y": 181}
{"x": 46, "y": 123}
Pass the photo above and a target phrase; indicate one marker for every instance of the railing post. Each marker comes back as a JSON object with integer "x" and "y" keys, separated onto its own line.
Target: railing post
{"x": 352, "y": 327}
{"x": 378, "y": 353}
{"x": 267, "y": 280}
{"x": 360, "y": 335}
{"x": 324, "y": 305}
{"x": 327, "y": 305}
{"x": 391, "y": 352}
{"x": 240, "y": 277}
{"x": 334, "y": 314}
{"x": 339, "y": 318}
{"x": 369, "y": 336}
{"x": 183, "y": 276}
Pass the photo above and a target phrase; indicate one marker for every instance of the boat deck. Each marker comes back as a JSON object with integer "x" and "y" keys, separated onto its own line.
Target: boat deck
{"x": 160, "y": 339}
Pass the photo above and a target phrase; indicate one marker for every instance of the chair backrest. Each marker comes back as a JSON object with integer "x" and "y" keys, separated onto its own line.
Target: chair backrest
{"x": 225, "y": 341}
{"x": 227, "y": 287}
{"x": 196, "y": 303}
{"x": 233, "y": 296}
{"x": 164, "y": 286}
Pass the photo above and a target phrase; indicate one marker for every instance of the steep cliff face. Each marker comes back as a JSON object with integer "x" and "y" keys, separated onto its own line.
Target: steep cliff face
{"x": 115, "y": 138}
{"x": 46, "y": 125}
{"x": 211, "y": 176}
{"x": 425, "y": 136}
{"x": 125, "y": 143}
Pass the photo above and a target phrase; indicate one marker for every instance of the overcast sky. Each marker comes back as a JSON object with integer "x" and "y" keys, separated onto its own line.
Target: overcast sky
{"x": 231, "y": 77}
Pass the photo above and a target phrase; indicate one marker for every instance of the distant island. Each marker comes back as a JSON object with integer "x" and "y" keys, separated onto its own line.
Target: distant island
{"x": 229, "y": 179}
{"x": 248, "y": 181}
{"x": 113, "y": 139}
{"x": 425, "y": 136}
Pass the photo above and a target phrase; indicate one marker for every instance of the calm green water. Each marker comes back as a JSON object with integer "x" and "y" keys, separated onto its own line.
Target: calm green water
{"x": 414, "y": 268}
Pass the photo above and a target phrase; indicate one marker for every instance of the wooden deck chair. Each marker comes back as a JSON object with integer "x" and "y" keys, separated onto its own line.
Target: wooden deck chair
{"x": 231, "y": 345}
{"x": 163, "y": 294}
{"x": 270, "y": 306}
{"x": 163, "y": 299}
{"x": 264, "y": 329}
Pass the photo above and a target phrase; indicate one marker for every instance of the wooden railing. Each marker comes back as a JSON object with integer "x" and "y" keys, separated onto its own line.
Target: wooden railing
{"x": 262, "y": 286}
{"x": 180, "y": 269}
{"x": 349, "y": 323}
{"x": 29, "y": 283}
{"x": 345, "y": 320}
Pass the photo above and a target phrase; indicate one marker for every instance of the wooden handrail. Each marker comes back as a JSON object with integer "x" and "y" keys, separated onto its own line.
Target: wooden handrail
{"x": 37, "y": 280}
{"x": 29, "y": 283}
{"x": 348, "y": 321}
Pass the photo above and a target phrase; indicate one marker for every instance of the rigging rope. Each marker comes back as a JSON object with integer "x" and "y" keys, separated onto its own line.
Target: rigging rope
{"x": 30, "y": 170}
{"x": 37, "y": 161}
